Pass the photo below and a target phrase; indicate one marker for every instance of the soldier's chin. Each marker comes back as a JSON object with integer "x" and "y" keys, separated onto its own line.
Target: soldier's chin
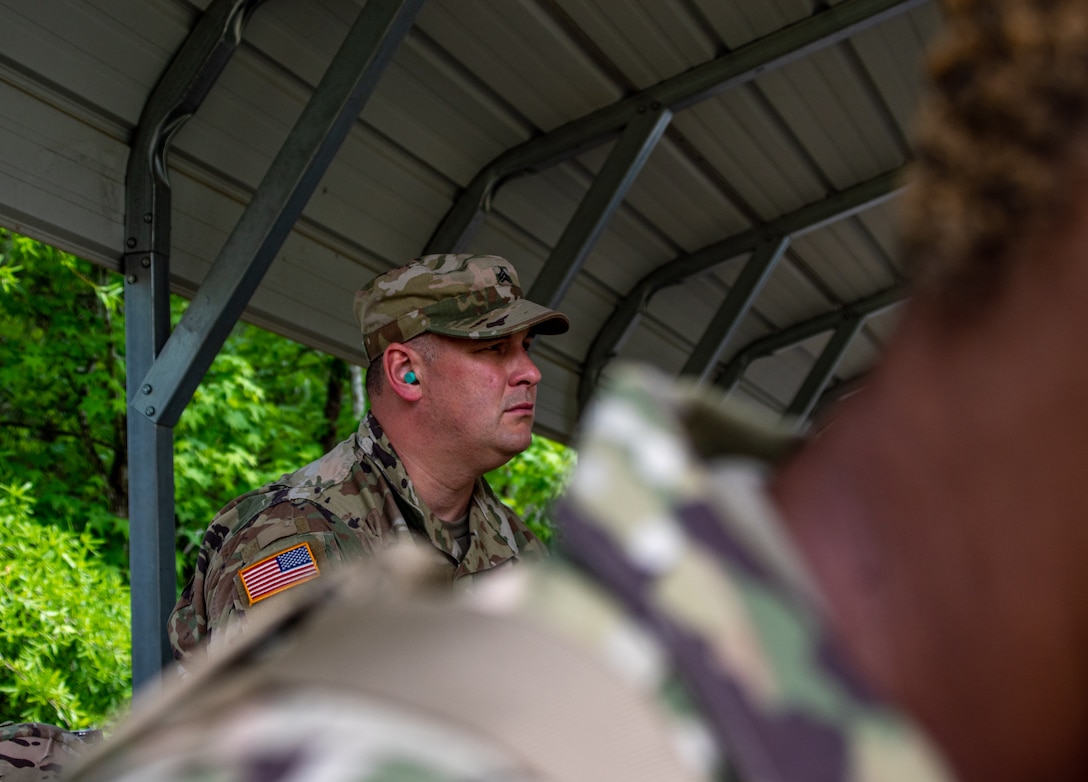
{"x": 521, "y": 441}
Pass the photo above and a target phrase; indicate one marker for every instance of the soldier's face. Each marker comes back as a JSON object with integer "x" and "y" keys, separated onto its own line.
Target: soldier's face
{"x": 483, "y": 395}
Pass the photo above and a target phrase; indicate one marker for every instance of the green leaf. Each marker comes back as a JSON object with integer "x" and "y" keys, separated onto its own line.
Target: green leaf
{"x": 65, "y": 638}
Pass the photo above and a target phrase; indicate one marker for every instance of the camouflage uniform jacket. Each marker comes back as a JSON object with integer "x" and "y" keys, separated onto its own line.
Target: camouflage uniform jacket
{"x": 677, "y": 638}
{"x": 36, "y": 752}
{"x": 354, "y": 500}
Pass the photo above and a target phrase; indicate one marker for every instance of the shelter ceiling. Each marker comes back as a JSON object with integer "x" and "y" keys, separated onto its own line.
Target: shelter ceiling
{"x": 806, "y": 146}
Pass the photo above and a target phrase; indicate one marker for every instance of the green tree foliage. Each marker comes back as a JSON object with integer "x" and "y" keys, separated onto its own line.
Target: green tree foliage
{"x": 64, "y": 638}
{"x": 530, "y": 483}
{"x": 62, "y": 388}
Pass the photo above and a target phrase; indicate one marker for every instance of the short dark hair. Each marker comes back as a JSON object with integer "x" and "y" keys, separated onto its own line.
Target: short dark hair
{"x": 375, "y": 379}
{"x": 427, "y": 346}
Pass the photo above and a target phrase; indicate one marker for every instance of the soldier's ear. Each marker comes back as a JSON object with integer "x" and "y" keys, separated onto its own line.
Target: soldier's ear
{"x": 399, "y": 364}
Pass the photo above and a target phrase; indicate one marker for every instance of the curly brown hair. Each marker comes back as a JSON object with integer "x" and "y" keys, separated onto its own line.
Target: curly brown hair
{"x": 999, "y": 139}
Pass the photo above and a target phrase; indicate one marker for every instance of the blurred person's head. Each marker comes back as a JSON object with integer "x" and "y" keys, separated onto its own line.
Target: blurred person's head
{"x": 943, "y": 513}
{"x": 1000, "y": 141}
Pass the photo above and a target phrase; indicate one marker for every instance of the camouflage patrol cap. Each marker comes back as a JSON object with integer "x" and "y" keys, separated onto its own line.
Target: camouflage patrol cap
{"x": 467, "y": 296}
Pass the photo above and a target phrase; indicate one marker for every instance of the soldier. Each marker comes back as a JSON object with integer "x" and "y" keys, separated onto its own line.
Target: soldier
{"x": 452, "y": 391}
{"x": 903, "y": 597}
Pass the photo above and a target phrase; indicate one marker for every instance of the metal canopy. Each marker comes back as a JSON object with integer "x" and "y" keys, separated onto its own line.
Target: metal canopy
{"x": 276, "y": 205}
{"x": 776, "y": 50}
{"x": 809, "y": 218}
{"x": 708, "y": 186}
{"x": 738, "y": 302}
{"x": 857, "y": 311}
{"x": 601, "y": 201}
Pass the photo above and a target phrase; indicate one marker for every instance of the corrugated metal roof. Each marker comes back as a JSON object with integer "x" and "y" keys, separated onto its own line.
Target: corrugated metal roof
{"x": 472, "y": 80}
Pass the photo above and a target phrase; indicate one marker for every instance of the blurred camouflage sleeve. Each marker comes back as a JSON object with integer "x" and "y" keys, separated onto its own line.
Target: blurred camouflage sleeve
{"x": 382, "y": 674}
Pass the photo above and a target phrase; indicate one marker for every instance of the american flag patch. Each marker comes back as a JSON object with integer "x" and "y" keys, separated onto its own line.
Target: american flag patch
{"x": 278, "y": 572}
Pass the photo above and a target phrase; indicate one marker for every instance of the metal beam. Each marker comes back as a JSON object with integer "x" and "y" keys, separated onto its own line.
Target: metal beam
{"x": 742, "y": 295}
{"x": 604, "y": 196}
{"x": 624, "y": 317}
{"x": 797, "y": 333}
{"x": 298, "y": 167}
{"x": 835, "y": 393}
{"x": 177, "y": 95}
{"x": 146, "y": 264}
{"x": 820, "y": 373}
{"x": 741, "y": 66}
{"x": 150, "y": 472}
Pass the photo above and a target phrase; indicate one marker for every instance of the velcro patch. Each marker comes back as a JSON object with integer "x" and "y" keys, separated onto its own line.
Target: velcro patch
{"x": 278, "y": 572}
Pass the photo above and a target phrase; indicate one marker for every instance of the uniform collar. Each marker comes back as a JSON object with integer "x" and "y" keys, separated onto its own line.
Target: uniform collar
{"x": 490, "y": 522}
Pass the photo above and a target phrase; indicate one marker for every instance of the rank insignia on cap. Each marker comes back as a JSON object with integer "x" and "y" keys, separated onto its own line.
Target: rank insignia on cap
{"x": 502, "y": 276}
{"x": 278, "y": 572}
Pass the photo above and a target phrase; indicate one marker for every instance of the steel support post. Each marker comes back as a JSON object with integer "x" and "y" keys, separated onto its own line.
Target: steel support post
{"x": 150, "y": 471}
{"x": 146, "y": 266}
{"x": 761, "y": 264}
{"x": 604, "y": 196}
{"x": 818, "y": 376}
{"x": 279, "y": 200}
